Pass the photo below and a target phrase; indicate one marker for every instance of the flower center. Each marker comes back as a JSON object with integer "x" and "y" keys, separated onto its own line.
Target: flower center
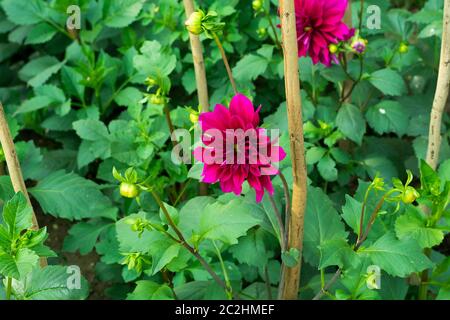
{"x": 308, "y": 29}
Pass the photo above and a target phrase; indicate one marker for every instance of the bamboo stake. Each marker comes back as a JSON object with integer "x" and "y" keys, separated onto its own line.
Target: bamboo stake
{"x": 199, "y": 63}
{"x": 290, "y": 278}
{"x": 13, "y": 165}
{"x": 441, "y": 96}
{"x": 200, "y": 74}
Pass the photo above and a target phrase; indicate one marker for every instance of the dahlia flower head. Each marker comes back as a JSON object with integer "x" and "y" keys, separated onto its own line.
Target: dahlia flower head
{"x": 236, "y": 150}
{"x": 319, "y": 24}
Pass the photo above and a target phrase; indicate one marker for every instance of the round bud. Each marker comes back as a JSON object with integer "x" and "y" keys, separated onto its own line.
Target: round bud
{"x": 257, "y": 5}
{"x": 333, "y": 48}
{"x": 410, "y": 195}
{"x": 129, "y": 190}
{"x": 404, "y": 48}
{"x": 194, "y": 23}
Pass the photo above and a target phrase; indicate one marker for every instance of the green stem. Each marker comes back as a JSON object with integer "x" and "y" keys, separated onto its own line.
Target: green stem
{"x": 361, "y": 14}
{"x": 280, "y": 224}
{"x": 184, "y": 243}
{"x": 424, "y": 277}
{"x": 8, "y": 288}
{"x": 274, "y": 30}
{"x": 224, "y": 271}
{"x": 225, "y": 61}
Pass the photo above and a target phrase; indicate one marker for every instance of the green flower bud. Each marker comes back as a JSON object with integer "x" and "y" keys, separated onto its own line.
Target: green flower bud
{"x": 194, "y": 23}
{"x": 257, "y": 5}
{"x": 129, "y": 190}
{"x": 333, "y": 48}
{"x": 156, "y": 99}
{"x": 410, "y": 195}
{"x": 261, "y": 32}
{"x": 404, "y": 48}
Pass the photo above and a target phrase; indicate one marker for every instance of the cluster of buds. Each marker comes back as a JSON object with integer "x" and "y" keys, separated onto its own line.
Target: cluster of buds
{"x": 135, "y": 261}
{"x": 199, "y": 22}
{"x": 157, "y": 98}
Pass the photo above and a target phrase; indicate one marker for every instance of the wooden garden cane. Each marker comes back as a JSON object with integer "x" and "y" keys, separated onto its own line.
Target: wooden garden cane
{"x": 200, "y": 72}
{"x": 442, "y": 91}
{"x": 290, "y": 277}
{"x": 440, "y": 100}
{"x": 13, "y": 165}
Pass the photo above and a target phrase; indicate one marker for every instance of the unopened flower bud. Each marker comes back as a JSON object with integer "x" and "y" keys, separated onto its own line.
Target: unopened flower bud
{"x": 333, "y": 48}
{"x": 359, "y": 45}
{"x": 410, "y": 195}
{"x": 129, "y": 190}
{"x": 261, "y": 32}
{"x": 194, "y": 23}
{"x": 404, "y": 48}
{"x": 257, "y": 5}
{"x": 156, "y": 99}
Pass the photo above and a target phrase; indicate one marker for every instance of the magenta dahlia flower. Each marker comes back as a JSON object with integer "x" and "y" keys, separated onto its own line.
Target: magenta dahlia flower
{"x": 319, "y": 24}
{"x": 236, "y": 149}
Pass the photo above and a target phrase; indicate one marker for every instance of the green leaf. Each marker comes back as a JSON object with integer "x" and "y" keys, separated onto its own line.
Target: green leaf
{"x": 337, "y": 252}
{"x": 388, "y": 116}
{"x": 18, "y": 266}
{"x": 51, "y": 283}
{"x": 17, "y": 214}
{"x": 71, "y": 80}
{"x": 397, "y": 257}
{"x": 34, "y": 104}
{"x": 290, "y": 258}
{"x": 251, "y": 249}
{"x": 149, "y": 290}
{"x": 128, "y": 97}
{"x": 24, "y": 12}
{"x": 91, "y": 130}
{"x": 121, "y": 13}
{"x": 250, "y": 67}
{"x": 39, "y": 70}
{"x": 322, "y": 223}
{"x": 314, "y": 155}
{"x": 414, "y": 225}
{"x": 41, "y": 33}
{"x": 351, "y": 123}
{"x": 69, "y": 196}
{"x": 327, "y": 168}
{"x": 225, "y": 221}
{"x": 83, "y": 236}
{"x": 389, "y": 82}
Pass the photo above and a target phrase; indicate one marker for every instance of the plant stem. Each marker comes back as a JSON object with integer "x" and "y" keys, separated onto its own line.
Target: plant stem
{"x": 267, "y": 280}
{"x": 224, "y": 270}
{"x": 361, "y": 14}
{"x": 272, "y": 26}
{"x": 225, "y": 61}
{"x": 287, "y": 212}
{"x": 280, "y": 224}
{"x": 290, "y": 276}
{"x": 325, "y": 288}
{"x": 8, "y": 288}
{"x": 184, "y": 243}
{"x": 442, "y": 92}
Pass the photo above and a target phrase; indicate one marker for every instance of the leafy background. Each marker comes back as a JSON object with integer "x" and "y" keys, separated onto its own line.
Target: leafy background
{"x": 73, "y": 101}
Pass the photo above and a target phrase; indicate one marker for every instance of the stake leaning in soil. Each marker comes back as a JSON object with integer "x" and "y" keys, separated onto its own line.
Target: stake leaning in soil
{"x": 290, "y": 277}
{"x": 13, "y": 165}
{"x": 442, "y": 91}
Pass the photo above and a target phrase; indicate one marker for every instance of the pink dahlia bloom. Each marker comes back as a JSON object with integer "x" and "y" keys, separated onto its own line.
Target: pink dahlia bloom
{"x": 319, "y": 24}
{"x": 236, "y": 150}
